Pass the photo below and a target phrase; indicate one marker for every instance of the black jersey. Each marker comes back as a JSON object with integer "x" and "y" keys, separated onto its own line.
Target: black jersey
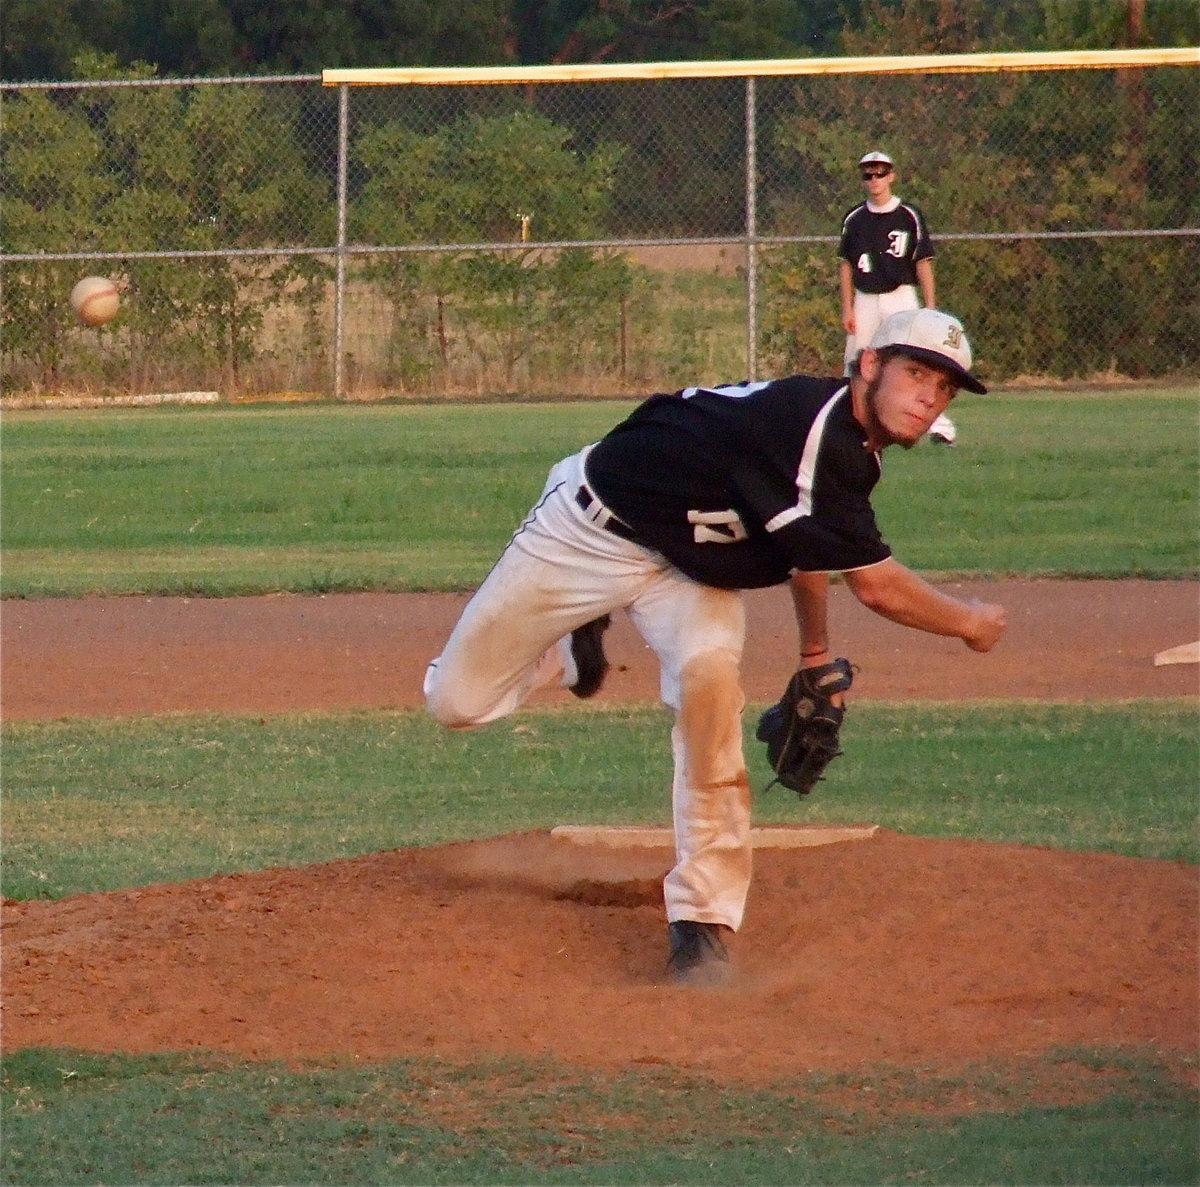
{"x": 738, "y": 486}
{"x": 882, "y": 248}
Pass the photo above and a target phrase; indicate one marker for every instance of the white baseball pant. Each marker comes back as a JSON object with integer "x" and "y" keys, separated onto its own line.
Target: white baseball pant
{"x": 871, "y": 310}
{"x": 561, "y": 570}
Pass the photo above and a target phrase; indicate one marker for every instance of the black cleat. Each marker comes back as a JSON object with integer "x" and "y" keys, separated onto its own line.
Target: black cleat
{"x": 587, "y": 650}
{"x": 698, "y": 957}
{"x": 941, "y": 439}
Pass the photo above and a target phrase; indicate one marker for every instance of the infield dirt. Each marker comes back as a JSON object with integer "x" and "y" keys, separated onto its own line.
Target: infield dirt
{"x": 895, "y": 950}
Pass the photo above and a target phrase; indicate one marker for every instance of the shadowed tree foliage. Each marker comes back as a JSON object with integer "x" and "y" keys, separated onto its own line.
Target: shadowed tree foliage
{"x": 40, "y": 40}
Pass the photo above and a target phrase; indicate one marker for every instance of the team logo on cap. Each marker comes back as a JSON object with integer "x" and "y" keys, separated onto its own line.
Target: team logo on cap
{"x": 954, "y": 337}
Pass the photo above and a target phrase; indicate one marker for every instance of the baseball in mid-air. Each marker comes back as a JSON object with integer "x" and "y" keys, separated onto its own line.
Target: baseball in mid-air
{"x": 95, "y": 300}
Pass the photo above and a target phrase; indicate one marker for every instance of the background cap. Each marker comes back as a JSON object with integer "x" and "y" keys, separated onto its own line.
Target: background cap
{"x": 877, "y": 158}
{"x": 933, "y": 337}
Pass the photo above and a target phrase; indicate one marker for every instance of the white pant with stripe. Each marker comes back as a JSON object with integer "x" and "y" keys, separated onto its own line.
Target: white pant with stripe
{"x": 561, "y": 570}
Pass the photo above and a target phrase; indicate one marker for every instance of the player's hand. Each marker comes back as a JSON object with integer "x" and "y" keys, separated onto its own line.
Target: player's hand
{"x": 987, "y": 625}
{"x": 848, "y": 323}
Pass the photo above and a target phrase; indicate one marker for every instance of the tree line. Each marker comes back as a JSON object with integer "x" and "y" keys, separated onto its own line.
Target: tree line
{"x": 242, "y": 168}
{"x": 218, "y": 168}
{"x": 41, "y": 39}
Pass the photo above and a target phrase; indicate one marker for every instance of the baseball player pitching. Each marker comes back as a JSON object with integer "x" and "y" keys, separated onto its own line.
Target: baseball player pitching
{"x": 886, "y": 256}
{"x": 693, "y": 498}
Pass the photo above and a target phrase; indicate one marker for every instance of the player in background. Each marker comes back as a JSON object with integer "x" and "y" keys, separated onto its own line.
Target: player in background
{"x": 691, "y": 499}
{"x": 886, "y": 256}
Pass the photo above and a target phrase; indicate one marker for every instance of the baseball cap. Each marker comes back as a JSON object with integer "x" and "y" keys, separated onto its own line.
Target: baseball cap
{"x": 877, "y": 158}
{"x": 933, "y": 337}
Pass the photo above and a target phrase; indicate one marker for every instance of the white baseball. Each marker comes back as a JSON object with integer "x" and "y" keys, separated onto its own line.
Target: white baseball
{"x": 95, "y": 300}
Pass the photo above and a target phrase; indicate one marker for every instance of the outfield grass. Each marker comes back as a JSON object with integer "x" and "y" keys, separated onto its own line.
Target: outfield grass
{"x": 98, "y": 805}
{"x": 81, "y": 1118}
{"x": 311, "y": 499}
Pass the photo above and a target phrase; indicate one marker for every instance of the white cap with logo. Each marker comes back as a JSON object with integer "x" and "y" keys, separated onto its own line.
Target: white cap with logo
{"x": 876, "y": 158}
{"x": 933, "y": 337}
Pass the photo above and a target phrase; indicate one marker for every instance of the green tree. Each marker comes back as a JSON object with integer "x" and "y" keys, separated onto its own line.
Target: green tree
{"x": 503, "y": 178}
{"x": 206, "y": 37}
{"x": 963, "y": 26}
{"x": 248, "y": 188}
{"x": 647, "y": 30}
{"x": 158, "y": 169}
{"x": 56, "y": 182}
{"x": 1064, "y": 151}
{"x": 216, "y": 37}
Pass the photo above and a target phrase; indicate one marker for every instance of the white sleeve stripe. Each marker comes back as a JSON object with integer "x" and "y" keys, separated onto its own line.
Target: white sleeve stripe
{"x": 869, "y": 565}
{"x": 783, "y": 519}
{"x": 806, "y": 474}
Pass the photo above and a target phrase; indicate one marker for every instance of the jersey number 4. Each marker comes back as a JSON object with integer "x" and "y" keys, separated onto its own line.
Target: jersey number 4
{"x": 717, "y": 527}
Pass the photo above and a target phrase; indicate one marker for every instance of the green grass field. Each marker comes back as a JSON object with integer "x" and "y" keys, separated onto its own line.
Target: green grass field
{"x": 100, "y": 805}
{"x": 75, "y": 1118}
{"x": 307, "y": 499}
{"x": 217, "y": 501}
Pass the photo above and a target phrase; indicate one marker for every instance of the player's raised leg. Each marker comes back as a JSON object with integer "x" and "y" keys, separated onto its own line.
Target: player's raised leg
{"x": 558, "y": 573}
{"x": 501, "y": 650}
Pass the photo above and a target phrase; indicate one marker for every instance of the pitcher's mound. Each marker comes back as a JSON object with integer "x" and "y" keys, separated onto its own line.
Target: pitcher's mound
{"x": 895, "y": 950}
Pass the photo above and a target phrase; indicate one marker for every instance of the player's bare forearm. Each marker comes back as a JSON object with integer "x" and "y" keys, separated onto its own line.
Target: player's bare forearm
{"x": 898, "y": 594}
{"x": 810, "y": 596}
{"x": 925, "y": 283}
{"x": 846, "y": 287}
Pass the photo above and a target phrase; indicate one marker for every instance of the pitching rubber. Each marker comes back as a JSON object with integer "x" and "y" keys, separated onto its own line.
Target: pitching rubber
{"x": 789, "y": 837}
{"x": 1185, "y": 653}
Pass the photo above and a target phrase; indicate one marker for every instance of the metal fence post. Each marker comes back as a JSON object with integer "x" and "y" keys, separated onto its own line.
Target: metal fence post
{"x": 339, "y": 289}
{"x": 751, "y": 233}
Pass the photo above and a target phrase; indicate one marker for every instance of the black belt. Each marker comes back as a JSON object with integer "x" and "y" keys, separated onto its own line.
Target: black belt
{"x": 600, "y": 515}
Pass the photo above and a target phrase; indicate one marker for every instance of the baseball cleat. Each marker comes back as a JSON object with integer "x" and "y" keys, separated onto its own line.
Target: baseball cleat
{"x": 698, "y": 958}
{"x": 587, "y": 650}
{"x": 941, "y": 439}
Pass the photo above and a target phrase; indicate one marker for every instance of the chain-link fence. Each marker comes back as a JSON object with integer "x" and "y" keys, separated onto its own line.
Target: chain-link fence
{"x": 277, "y": 235}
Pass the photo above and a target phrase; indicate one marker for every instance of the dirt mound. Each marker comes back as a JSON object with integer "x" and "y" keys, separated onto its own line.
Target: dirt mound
{"x": 892, "y": 949}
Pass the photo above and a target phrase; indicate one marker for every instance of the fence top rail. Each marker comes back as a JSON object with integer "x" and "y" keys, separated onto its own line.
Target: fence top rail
{"x": 1094, "y": 59}
{"x": 914, "y": 64}
{"x": 107, "y": 84}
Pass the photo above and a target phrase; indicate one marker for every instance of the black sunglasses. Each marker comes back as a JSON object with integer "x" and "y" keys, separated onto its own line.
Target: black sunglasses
{"x": 869, "y": 173}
